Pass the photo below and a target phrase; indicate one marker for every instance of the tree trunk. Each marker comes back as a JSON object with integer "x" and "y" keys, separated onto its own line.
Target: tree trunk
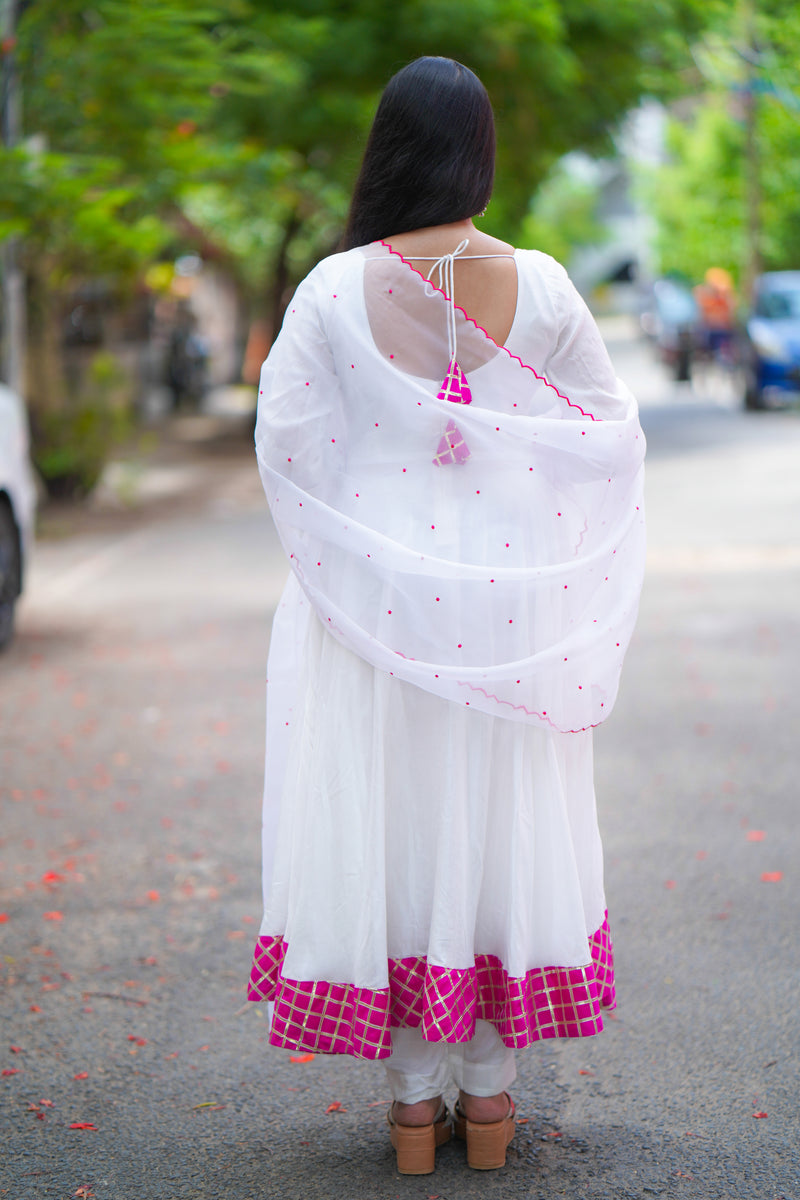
{"x": 47, "y": 387}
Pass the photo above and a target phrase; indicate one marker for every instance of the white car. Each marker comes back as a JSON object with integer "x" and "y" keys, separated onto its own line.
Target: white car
{"x": 17, "y": 505}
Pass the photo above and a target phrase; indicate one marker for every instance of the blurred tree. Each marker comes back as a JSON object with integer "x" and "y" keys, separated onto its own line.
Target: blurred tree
{"x": 733, "y": 148}
{"x": 235, "y": 127}
{"x": 249, "y": 116}
{"x": 563, "y": 216}
{"x": 560, "y": 74}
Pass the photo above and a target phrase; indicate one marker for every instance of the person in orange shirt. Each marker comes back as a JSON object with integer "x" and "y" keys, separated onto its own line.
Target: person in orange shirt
{"x": 717, "y": 302}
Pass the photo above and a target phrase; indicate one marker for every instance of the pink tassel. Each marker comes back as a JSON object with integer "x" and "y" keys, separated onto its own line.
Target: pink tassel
{"x": 455, "y": 386}
{"x": 452, "y": 447}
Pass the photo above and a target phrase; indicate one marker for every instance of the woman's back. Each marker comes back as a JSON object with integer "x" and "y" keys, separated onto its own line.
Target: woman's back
{"x": 486, "y": 288}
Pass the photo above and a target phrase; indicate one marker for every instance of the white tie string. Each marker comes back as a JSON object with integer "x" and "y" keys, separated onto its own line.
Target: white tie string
{"x": 447, "y": 284}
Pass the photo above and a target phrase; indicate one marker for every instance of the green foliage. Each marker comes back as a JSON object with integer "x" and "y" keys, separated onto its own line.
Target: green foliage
{"x": 563, "y": 216}
{"x": 699, "y": 196}
{"x": 251, "y": 114}
{"x": 71, "y": 444}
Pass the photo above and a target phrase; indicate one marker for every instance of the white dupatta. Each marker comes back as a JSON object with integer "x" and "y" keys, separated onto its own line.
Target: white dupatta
{"x": 452, "y": 517}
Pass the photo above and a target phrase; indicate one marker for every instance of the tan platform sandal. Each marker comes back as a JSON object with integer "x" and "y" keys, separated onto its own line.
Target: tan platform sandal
{"x": 486, "y": 1142}
{"x": 416, "y": 1144}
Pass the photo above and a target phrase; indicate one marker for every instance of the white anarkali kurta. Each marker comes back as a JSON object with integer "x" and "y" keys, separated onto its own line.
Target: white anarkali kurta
{"x": 466, "y": 561}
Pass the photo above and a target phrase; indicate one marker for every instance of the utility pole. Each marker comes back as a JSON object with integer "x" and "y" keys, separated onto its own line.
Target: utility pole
{"x": 752, "y": 157}
{"x": 13, "y": 314}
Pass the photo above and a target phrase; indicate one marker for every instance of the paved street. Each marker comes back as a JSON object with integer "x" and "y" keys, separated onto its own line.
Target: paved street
{"x": 131, "y": 743}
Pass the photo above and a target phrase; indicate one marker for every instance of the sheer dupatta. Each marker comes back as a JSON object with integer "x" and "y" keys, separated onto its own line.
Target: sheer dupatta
{"x": 455, "y": 520}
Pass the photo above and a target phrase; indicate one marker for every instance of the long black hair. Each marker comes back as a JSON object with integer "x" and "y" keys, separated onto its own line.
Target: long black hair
{"x": 430, "y": 155}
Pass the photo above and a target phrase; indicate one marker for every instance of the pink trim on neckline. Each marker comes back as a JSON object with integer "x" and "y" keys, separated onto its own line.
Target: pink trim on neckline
{"x": 542, "y": 378}
{"x": 340, "y": 1018}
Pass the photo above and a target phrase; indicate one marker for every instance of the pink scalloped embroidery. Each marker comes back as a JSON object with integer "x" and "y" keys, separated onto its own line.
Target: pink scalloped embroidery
{"x": 505, "y": 349}
{"x": 340, "y": 1018}
{"x": 522, "y": 708}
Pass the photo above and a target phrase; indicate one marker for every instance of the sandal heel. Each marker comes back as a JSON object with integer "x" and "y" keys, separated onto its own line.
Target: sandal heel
{"x": 486, "y": 1142}
{"x": 416, "y": 1149}
{"x": 415, "y": 1145}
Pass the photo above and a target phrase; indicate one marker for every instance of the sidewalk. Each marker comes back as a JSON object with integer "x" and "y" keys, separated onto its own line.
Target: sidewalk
{"x": 186, "y": 461}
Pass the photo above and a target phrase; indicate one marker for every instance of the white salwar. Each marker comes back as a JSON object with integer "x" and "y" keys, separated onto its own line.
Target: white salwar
{"x": 450, "y": 634}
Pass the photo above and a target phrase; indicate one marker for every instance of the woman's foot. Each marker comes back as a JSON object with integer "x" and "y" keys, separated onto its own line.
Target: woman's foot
{"x": 416, "y": 1130}
{"x": 421, "y": 1113}
{"x": 483, "y": 1110}
{"x": 486, "y": 1124}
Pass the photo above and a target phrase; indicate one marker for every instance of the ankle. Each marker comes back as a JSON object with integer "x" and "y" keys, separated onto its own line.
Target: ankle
{"x": 484, "y": 1110}
{"x": 421, "y": 1113}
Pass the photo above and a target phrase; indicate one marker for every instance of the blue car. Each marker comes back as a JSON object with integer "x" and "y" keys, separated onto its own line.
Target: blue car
{"x": 772, "y": 342}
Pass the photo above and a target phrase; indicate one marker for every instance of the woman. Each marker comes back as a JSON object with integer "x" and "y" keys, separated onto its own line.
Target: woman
{"x": 459, "y": 497}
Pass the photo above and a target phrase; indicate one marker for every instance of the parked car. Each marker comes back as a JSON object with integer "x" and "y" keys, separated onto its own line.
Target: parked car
{"x": 771, "y": 342}
{"x": 671, "y": 317}
{"x": 17, "y": 506}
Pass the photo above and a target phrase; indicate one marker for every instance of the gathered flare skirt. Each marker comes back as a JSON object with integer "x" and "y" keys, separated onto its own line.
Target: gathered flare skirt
{"x": 425, "y": 864}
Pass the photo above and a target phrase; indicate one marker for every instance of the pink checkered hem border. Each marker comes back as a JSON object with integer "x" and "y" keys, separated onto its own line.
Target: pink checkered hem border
{"x": 340, "y": 1018}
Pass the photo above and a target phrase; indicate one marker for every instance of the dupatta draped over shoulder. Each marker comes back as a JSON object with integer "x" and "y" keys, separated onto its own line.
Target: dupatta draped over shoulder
{"x": 452, "y": 516}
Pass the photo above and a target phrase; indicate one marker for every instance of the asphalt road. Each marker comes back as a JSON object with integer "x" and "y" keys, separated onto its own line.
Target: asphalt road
{"x": 131, "y": 732}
